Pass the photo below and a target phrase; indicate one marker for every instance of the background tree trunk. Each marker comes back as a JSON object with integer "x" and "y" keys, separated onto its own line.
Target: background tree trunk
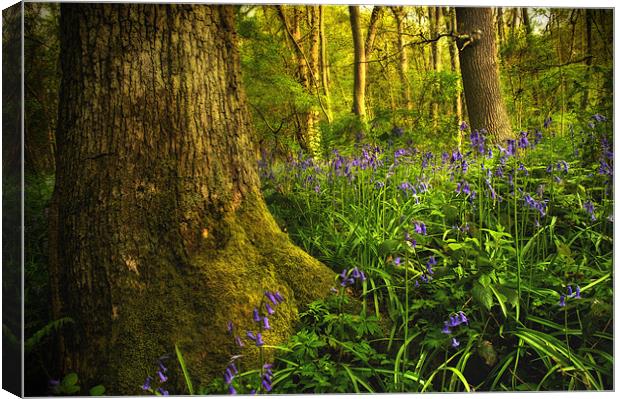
{"x": 163, "y": 235}
{"x": 359, "y": 69}
{"x": 403, "y": 65}
{"x": 480, "y": 72}
{"x": 450, "y": 22}
{"x": 325, "y": 64}
{"x": 434, "y": 14}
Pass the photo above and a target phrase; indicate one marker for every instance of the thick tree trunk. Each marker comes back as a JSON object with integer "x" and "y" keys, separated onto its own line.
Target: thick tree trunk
{"x": 480, "y": 72}
{"x": 403, "y": 65}
{"x": 163, "y": 235}
{"x": 359, "y": 69}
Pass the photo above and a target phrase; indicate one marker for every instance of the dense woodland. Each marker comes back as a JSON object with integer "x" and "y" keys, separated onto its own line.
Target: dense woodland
{"x": 314, "y": 198}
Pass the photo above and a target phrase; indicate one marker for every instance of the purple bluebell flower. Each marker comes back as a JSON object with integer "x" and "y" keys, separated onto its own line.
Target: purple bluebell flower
{"x": 251, "y": 335}
{"x": 455, "y": 343}
{"x": 162, "y": 391}
{"x": 463, "y": 126}
{"x": 228, "y": 375}
{"x": 510, "y": 148}
{"x": 397, "y": 261}
{"x": 239, "y": 341}
{"x": 266, "y": 385}
{"x": 270, "y": 296}
{"x": 446, "y": 329}
{"x": 431, "y": 262}
{"x": 589, "y": 207}
{"x": 462, "y": 317}
{"x": 410, "y": 240}
{"x": 578, "y": 292}
{"x": 162, "y": 376}
{"x": 278, "y": 296}
{"x": 420, "y": 228}
{"x": 570, "y": 291}
{"x": 231, "y": 390}
{"x": 547, "y": 122}
{"x": 317, "y": 188}
{"x": 270, "y": 310}
{"x": 146, "y": 386}
{"x": 379, "y": 185}
{"x": 539, "y": 137}
{"x": 562, "y": 300}
{"x": 523, "y": 141}
{"x": 356, "y": 273}
{"x": 266, "y": 323}
{"x": 255, "y": 315}
{"x": 259, "y": 339}
{"x": 229, "y": 327}
{"x": 599, "y": 118}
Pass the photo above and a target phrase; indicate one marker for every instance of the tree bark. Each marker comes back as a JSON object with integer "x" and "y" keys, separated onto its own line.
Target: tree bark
{"x": 163, "y": 235}
{"x": 480, "y": 72}
{"x": 434, "y": 14}
{"x": 375, "y": 17}
{"x": 588, "y": 15}
{"x": 500, "y": 26}
{"x": 403, "y": 65}
{"x": 359, "y": 69}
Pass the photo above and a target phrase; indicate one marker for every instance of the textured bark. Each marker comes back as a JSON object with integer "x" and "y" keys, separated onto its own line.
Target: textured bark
{"x": 403, "y": 65}
{"x": 359, "y": 69}
{"x": 500, "y": 26}
{"x": 163, "y": 233}
{"x": 526, "y": 22}
{"x": 480, "y": 73}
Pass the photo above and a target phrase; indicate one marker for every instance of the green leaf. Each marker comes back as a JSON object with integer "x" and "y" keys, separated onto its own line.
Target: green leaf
{"x": 188, "y": 381}
{"x": 482, "y": 295}
{"x": 69, "y": 380}
{"x": 97, "y": 390}
{"x": 71, "y": 389}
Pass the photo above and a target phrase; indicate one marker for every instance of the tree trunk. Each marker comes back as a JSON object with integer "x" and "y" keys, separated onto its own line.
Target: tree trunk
{"x": 309, "y": 135}
{"x": 450, "y": 21}
{"x": 163, "y": 235}
{"x": 434, "y": 14}
{"x": 324, "y": 64}
{"x": 403, "y": 65}
{"x": 359, "y": 69}
{"x": 480, "y": 72}
{"x": 500, "y": 26}
{"x": 375, "y": 17}
{"x": 526, "y": 22}
{"x": 588, "y": 16}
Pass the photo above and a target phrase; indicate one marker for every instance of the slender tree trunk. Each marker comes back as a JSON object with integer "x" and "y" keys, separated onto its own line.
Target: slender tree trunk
{"x": 500, "y": 26}
{"x": 434, "y": 14}
{"x": 359, "y": 69}
{"x": 308, "y": 134}
{"x": 403, "y": 66}
{"x": 375, "y": 17}
{"x": 588, "y": 16}
{"x": 450, "y": 21}
{"x": 324, "y": 64}
{"x": 163, "y": 235}
{"x": 480, "y": 72}
{"x": 526, "y": 22}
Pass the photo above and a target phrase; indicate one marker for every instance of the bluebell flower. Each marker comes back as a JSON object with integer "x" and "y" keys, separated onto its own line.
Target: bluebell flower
{"x": 259, "y": 339}
{"x": 256, "y": 316}
{"x": 228, "y": 376}
{"x": 539, "y": 137}
{"x": 266, "y": 323}
{"x": 162, "y": 376}
{"x": 146, "y": 386}
{"x": 570, "y": 291}
{"x": 239, "y": 341}
{"x": 269, "y": 309}
{"x": 420, "y": 228}
{"x": 578, "y": 293}
{"x": 271, "y": 297}
{"x": 278, "y": 296}
{"x": 547, "y": 122}
{"x": 162, "y": 391}
{"x": 446, "y": 329}
{"x": 251, "y": 335}
{"x": 463, "y": 126}
{"x": 229, "y": 327}
{"x": 266, "y": 385}
{"x": 231, "y": 390}
{"x": 523, "y": 141}
{"x": 562, "y": 300}
{"x": 455, "y": 343}
{"x": 589, "y": 207}
{"x": 599, "y": 118}
{"x": 397, "y": 261}
{"x": 510, "y": 148}
{"x": 462, "y": 317}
